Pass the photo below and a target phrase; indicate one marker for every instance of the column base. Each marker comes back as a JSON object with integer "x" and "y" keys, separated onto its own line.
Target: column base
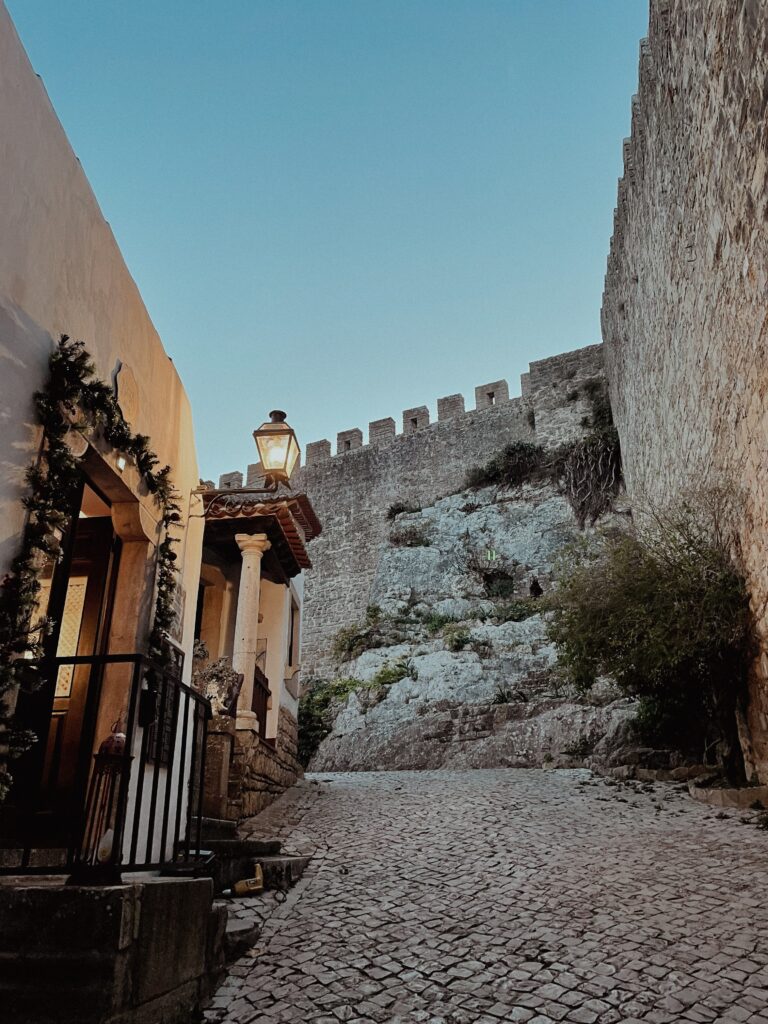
{"x": 247, "y": 720}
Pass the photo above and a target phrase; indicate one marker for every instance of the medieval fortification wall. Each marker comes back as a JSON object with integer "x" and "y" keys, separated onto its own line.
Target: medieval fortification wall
{"x": 353, "y": 489}
{"x": 685, "y": 317}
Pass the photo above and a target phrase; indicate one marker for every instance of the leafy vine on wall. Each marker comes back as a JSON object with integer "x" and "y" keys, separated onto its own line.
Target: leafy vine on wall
{"x": 73, "y": 398}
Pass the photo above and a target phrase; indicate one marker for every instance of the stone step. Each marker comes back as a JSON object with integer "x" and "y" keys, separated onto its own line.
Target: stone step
{"x": 237, "y": 847}
{"x": 282, "y": 872}
{"x": 216, "y": 828}
{"x": 239, "y": 936}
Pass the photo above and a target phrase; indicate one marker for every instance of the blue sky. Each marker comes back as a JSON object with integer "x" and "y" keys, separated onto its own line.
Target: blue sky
{"x": 344, "y": 208}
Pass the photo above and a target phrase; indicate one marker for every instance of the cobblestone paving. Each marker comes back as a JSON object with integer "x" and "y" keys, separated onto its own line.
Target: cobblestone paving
{"x": 512, "y": 895}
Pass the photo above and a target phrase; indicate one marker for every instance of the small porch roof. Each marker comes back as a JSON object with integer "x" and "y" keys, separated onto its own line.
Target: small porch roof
{"x": 289, "y": 521}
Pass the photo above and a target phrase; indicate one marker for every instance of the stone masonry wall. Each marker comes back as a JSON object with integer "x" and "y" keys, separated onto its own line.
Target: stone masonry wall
{"x": 685, "y": 318}
{"x": 352, "y": 490}
{"x": 259, "y": 773}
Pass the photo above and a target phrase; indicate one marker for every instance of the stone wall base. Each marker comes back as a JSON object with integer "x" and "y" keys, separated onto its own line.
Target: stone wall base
{"x": 259, "y": 772}
{"x": 128, "y": 954}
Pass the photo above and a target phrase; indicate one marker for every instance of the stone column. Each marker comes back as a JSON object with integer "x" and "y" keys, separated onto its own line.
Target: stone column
{"x": 244, "y": 649}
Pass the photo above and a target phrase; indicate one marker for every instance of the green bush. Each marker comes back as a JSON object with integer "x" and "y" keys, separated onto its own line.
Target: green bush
{"x": 352, "y": 641}
{"x": 457, "y": 638}
{"x": 666, "y": 613}
{"x": 435, "y": 622}
{"x": 516, "y": 464}
{"x": 317, "y": 710}
{"x": 393, "y": 672}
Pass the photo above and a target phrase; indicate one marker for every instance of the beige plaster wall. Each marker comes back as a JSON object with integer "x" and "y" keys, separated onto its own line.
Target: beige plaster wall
{"x": 685, "y": 317}
{"x": 62, "y": 272}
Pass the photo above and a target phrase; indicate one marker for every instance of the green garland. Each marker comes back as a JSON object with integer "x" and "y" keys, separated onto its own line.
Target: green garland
{"x": 73, "y": 398}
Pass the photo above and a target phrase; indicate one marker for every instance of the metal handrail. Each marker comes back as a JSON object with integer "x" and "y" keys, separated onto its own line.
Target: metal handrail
{"x": 137, "y": 807}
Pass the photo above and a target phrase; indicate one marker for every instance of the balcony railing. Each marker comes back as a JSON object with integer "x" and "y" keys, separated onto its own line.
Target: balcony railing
{"x": 119, "y": 786}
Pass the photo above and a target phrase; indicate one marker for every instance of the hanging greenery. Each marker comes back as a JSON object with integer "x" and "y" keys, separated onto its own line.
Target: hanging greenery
{"x": 73, "y": 399}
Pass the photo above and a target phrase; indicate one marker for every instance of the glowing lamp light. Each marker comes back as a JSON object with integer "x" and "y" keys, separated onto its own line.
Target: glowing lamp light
{"x": 278, "y": 449}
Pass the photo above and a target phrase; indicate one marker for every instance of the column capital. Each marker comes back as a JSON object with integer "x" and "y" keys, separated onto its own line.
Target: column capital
{"x": 253, "y": 542}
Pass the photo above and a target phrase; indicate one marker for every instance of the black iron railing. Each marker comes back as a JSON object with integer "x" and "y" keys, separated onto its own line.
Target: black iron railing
{"x": 119, "y": 787}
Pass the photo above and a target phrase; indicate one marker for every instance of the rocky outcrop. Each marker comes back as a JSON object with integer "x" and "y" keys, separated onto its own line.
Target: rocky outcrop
{"x": 465, "y": 675}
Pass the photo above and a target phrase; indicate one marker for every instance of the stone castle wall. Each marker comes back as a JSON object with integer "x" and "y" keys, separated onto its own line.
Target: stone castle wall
{"x": 352, "y": 490}
{"x": 685, "y": 318}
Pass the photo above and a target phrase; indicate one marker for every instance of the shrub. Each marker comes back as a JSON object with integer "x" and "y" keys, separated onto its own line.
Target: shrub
{"x": 589, "y": 474}
{"x": 664, "y": 612}
{"x": 506, "y": 695}
{"x": 393, "y": 672}
{"x": 516, "y": 464}
{"x": 352, "y": 641}
{"x": 317, "y": 710}
{"x": 398, "y": 508}
{"x": 457, "y": 638}
{"x": 435, "y": 622}
{"x": 410, "y": 536}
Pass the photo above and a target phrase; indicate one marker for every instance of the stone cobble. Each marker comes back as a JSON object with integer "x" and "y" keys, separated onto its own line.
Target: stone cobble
{"x": 507, "y": 895}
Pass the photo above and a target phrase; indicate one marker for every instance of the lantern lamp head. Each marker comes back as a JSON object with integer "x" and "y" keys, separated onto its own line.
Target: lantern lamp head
{"x": 278, "y": 449}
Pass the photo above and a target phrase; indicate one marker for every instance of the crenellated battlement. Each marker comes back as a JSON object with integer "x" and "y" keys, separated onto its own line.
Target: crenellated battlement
{"x": 543, "y": 373}
{"x": 352, "y": 488}
{"x": 548, "y": 410}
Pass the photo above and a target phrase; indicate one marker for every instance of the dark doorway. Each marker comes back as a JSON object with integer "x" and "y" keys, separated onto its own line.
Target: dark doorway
{"x": 77, "y": 596}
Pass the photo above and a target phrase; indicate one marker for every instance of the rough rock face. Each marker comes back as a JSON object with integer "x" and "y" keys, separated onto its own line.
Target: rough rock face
{"x": 477, "y": 691}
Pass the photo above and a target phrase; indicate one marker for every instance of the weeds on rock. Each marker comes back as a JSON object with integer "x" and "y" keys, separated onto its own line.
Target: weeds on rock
{"x": 518, "y": 610}
{"x": 456, "y": 638}
{"x": 393, "y": 672}
{"x": 435, "y": 622}
{"x": 318, "y": 708}
{"x": 665, "y": 612}
{"x": 376, "y": 631}
{"x": 412, "y": 535}
{"x": 508, "y": 695}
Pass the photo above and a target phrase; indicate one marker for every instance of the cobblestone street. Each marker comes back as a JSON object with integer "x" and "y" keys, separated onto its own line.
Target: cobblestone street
{"x": 511, "y": 895}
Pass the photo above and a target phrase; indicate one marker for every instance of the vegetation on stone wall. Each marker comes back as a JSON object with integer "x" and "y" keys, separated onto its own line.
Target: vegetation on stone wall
{"x": 318, "y": 708}
{"x": 664, "y": 611}
{"x": 588, "y": 472}
{"x": 73, "y": 399}
{"x": 517, "y": 463}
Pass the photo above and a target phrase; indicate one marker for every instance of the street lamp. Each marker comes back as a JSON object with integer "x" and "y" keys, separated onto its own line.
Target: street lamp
{"x": 278, "y": 449}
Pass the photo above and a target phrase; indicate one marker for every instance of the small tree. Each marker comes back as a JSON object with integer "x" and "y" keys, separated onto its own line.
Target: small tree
{"x": 665, "y": 612}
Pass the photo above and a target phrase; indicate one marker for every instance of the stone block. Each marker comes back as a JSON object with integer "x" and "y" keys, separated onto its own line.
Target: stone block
{"x": 230, "y": 481}
{"x": 173, "y": 932}
{"x": 488, "y": 395}
{"x": 254, "y": 476}
{"x": 381, "y": 431}
{"x": 450, "y": 406}
{"x": 415, "y": 419}
{"x": 318, "y": 451}
{"x": 348, "y": 440}
{"x": 131, "y": 953}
